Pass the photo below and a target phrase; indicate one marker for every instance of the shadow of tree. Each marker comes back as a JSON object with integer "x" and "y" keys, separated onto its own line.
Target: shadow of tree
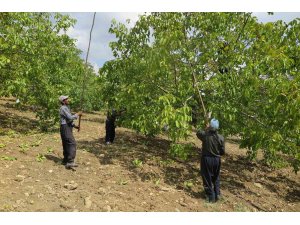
{"x": 10, "y": 104}
{"x": 153, "y": 152}
{"x": 236, "y": 177}
{"x": 22, "y": 124}
{"x": 293, "y": 194}
{"x": 158, "y": 164}
{"x": 17, "y": 123}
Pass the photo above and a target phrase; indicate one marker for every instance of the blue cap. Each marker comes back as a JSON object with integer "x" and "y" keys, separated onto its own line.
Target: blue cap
{"x": 214, "y": 123}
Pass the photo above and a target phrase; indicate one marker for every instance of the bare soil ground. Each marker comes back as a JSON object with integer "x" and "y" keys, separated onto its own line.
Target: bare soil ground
{"x": 33, "y": 179}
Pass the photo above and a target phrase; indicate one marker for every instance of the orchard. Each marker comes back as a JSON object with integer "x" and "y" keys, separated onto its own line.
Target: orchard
{"x": 170, "y": 71}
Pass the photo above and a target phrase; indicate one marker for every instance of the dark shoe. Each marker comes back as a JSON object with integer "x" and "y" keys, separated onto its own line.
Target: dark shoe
{"x": 210, "y": 199}
{"x": 71, "y": 165}
{"x": 63, "y": 162}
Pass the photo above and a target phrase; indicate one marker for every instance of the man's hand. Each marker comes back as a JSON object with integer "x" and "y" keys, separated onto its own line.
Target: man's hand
{"x": 79, "y": 113}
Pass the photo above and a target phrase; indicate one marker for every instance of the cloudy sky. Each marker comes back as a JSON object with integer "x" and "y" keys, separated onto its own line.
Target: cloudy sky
{"x": 82, "y": 11}
{"x": 100, "y": 51}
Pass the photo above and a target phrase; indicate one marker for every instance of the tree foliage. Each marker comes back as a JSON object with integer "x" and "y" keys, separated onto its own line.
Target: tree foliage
{"x": 247, "y": 73}
{"x": 39, "y": 62}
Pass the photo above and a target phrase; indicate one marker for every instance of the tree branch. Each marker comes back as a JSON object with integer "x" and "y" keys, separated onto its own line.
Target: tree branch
{"x": 254, "y": 118}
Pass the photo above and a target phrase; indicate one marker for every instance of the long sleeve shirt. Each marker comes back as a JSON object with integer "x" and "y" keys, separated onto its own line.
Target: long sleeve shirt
{"x": 65, "y": 115}
{"x": 212, "y": 143}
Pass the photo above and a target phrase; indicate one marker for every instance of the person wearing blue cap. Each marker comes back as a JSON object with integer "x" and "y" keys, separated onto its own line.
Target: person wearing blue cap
{"x": 213, "y": 147}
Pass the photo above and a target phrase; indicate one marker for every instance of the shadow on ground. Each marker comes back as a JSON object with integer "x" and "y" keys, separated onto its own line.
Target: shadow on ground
{"x": 55, "y": 159}
{"x": 152, "y": 152}
{"x": 20, "y": 124}
{"x": 157, "y": 164}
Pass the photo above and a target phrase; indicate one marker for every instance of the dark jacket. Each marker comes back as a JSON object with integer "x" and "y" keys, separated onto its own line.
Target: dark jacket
{"x": 110, "y": 120}
{"x": 212, "y": 143}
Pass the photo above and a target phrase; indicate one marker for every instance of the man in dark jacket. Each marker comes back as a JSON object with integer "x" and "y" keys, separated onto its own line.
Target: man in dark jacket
{"x": 212, "y": 148}
{"x": 66, "y": 132}
{"x": 110, "y": 126}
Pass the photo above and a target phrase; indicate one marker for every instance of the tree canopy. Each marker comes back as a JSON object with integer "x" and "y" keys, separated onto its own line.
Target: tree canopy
{"x": 247, "y": 74}
{"x": 39, "y": 62}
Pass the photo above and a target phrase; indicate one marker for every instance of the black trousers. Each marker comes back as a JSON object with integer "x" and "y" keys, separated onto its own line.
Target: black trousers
{"x": 210, "y": 172}
{"x": 68, "y": 142}
{"x": 110, "y": 131}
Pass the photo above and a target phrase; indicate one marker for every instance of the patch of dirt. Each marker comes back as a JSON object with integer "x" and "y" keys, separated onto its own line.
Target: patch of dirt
{"x": 107, "y": 180}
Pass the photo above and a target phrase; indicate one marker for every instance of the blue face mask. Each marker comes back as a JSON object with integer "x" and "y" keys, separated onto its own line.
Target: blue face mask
{"x": 214, "y": 123}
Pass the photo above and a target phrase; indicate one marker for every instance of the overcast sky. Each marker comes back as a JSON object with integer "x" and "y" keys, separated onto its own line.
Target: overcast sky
{"x": 100, "y": 51}
{"x": 126, "y": 9}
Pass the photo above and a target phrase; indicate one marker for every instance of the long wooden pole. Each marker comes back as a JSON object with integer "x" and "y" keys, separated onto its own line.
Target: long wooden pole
{"x": 85, "y": 73}
{"x": 200, "y": 97}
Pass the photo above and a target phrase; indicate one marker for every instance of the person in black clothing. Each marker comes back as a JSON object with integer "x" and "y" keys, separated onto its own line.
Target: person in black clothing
{"x": 110, "y": 126}
{"x": 212, "y": 148}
